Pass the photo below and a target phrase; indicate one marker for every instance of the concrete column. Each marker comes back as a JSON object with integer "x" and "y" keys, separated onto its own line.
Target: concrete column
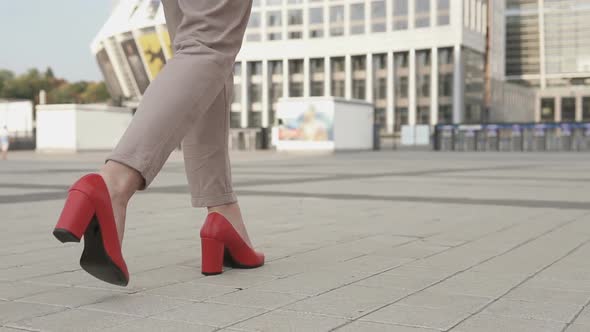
{"x": 411, "y": 13}
{"x": 390, "y": 113}
{"x": 306, "y": 77}
{"x": 458, "y": 84}
{"x": 370, "y": 79}
{"x": 265, "y": 97}
{"x": 327, "y": 77}
{"x": 348, "y": 76}
{"x": 412, "y": 88}
{"x": 389, "y": 15}
{"x": 434, "y": 86}
{"x": 433, "y": 6}
{"x": 285, "y": 78}
{"x": 245, "y": 103}
{"x": 579, "y": 114}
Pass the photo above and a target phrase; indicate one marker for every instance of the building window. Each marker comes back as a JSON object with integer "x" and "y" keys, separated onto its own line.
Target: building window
{"x": 236, "y": 113}
{"x": 422, "y": 13}
{"x": 316, "y": 22}
{"x": 401, "y": 118}
{"x": 586, "y": 109}
{"x": 254, "y": 27}
{"x": 274, "y": 2}
{"x": 295, "y": 78}
{"x": 378, "y": 18}
{"x": 400, "y": 14}
{"x": 317, "y": 72}
{"x": 337, "y": 66}
{"x": 274, "y": 25}
{"x": 423, "y": 69}
{"x": 548, "y": 110}
{"x": 380, "y": 88}
{"x": 295, "y": 17}
{"x": 359, "y": 77}
{"x": 255, "y": 94}
{"x": 445, "y": 85}
{"x": 401, "y": 80}
{"x": 336, "y": 20}
{"x": 275, "y": 70}
{"x": 445, "y": 114}
{"x": 474, "y": 85}
{"x": 442, "y": 12}
{"x": 568, "y": 109}
{"x": 357, "y": 18}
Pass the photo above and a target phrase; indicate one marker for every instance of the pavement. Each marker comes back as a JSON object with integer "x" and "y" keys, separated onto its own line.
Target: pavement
{"x": 375, "y": 241}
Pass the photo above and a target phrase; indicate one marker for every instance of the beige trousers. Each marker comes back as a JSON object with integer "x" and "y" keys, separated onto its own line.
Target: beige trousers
{"x": 190, "y": 100}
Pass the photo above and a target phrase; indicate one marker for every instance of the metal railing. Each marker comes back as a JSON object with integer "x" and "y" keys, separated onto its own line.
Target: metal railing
{"x": 565, "y": 136}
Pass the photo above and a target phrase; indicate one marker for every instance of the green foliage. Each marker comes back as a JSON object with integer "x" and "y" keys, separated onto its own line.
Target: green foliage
{"x": 59, "y": 91}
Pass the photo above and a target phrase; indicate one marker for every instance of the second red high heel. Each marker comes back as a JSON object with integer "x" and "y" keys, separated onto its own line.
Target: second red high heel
{"x": 88, "y": 212}
{"x": 221, "y": 244}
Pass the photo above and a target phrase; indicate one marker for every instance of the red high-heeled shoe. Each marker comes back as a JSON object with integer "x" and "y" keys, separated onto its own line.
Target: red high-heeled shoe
{"x": 88, "y": 212}
{"x": 221, "y": 244}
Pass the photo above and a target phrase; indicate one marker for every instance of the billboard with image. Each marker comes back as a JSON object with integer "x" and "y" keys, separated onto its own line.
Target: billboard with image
{"x": 152, "y": 51}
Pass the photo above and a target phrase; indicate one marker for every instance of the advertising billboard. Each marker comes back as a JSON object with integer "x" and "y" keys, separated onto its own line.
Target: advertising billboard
{"x": 310, "y": 123}
{"x": 152, "y": 51}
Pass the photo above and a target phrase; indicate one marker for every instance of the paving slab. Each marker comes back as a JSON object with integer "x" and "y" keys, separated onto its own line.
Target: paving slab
{"x": 367, "y": 241}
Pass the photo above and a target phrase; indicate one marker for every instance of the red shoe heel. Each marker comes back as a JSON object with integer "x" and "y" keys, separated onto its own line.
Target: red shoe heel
{"x": 221, "y": 244}
{"x": 88, "y": 212}
{"x": 75, "y": 217}
{"x": 212, "y": 256}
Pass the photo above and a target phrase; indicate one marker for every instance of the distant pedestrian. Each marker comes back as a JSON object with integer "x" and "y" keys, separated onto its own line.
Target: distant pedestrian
{"x": 4, "y": 142}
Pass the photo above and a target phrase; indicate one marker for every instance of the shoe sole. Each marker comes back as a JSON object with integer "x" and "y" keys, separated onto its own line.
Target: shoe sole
{"x": 94, "y": 258}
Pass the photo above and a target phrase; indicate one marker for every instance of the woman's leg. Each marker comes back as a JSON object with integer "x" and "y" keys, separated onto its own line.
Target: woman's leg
{"x": 206, "y": 41}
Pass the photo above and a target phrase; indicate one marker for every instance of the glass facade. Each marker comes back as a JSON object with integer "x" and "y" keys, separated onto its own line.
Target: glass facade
{"x": 445, "y": 85}
{"x": 443, "y": 14}
{"x": 255, "y": 94}
{"x": 522, "y": 37}
{"x": 473, "y": 62}
{"x": 316, "y": 22}
{"x": 357, "y": 18}
{"x": 337, "y": 21}
{"x": 423, "y": 69}
{"x": 400, "y": 14}
{"x": 236, "y": 115}
{"x": 359, "y": 77}
{"x": 274, "y": 25}
{"x": 586, "y": 109}
{"x": 568, "y": 109}
{"x": 275, "y": 71}
{"x": 567, "y": 36}
{"x": 401, "y": 73}
{"x": 295, "y": 78}
{"x": 421, "y": 13}
{"x": 338, "y": 79}
{"x": 548, "y": 109}
{"x": 378, "y": 17}
{"x": 380, "y": 88}
{"x": 316, "y": 76}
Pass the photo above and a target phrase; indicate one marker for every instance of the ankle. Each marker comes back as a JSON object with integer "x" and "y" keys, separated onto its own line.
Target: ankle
{"x": 122, "y": 181}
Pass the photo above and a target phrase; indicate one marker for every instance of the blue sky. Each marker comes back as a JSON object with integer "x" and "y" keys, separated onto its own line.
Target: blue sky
{"x": 56, "y": 33}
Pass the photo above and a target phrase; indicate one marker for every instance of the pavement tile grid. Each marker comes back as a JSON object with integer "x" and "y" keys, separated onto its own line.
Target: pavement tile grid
{"x": 351, "y": 246}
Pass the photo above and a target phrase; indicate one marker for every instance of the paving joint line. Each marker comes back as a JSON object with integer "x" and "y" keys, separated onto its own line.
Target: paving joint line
{"x": 576, "y": 248}
{"x": 466, "y": 269}
{"x": 378, "y": 273}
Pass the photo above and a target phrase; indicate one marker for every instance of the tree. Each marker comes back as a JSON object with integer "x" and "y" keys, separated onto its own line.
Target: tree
{"x": 5, "y": 75}
{"x": 28, "y": 86}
